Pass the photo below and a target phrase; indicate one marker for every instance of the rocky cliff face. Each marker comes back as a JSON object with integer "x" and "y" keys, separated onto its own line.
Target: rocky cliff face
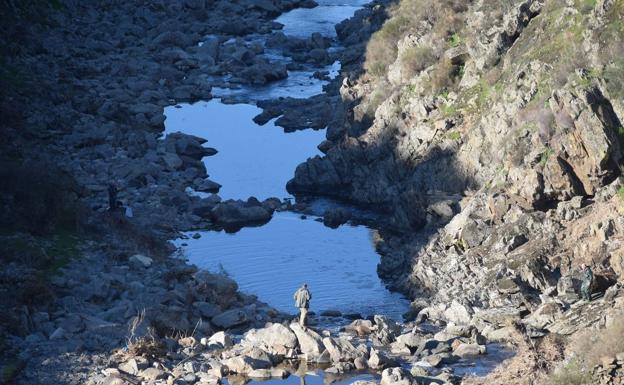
{"x": 491, "y": 135}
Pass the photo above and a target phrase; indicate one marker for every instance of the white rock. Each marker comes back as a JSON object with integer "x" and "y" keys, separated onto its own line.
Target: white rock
{"x": 141, "y": 260}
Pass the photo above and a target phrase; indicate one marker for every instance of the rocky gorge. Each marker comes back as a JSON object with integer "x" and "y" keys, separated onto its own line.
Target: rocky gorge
{"x": 492, "y": 174}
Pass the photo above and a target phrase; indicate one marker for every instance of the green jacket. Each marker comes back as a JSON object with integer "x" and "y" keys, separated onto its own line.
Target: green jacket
{"x": 302, "y": 298}
{"x": 588, "y": 277}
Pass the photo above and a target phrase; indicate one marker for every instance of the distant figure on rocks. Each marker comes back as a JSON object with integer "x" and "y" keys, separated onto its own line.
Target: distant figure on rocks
{"x": 112, "y": 196}
{"x": 586, "y": 283}
{"x": 302, "y": 301}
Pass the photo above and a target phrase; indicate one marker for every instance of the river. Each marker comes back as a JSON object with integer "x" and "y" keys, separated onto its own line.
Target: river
{"x": 271, "y": 261}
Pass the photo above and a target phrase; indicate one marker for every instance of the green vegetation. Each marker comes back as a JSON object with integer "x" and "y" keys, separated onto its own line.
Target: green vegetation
{"x": 454, "y": 135}
{"x": 548, "y": 152}
{"x": 62, "y": 248}
{"x": 455, "y": 40}
{"x": 571, "y": 374}
{"x": 620, "y": 193}
{"x": 416, "y": 59}
{"x": 449, "y": 110}
{"x": 586, "y": 350}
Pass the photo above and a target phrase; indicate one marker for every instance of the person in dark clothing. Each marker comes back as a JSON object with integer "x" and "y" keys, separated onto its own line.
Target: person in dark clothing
{"x": 586, "y": 282}
{"x": 112, "y": 197}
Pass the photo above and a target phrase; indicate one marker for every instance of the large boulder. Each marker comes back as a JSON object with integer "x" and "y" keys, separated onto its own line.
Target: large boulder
{"x": 245, "y": 364}
{"x": 233, "y": 215}
{"x": 379, "y": 361}
{"x": 310, "y": 343}
{"x": 221, "y": 284}
{"x": 340, "y": 349}
{"x": 396, "y": 376}
{"x": 276, "y": 339}
{"x": 362, "y": 327}
{"x": 231, "y": 318}
{"x": 387, "y": 330}
{"x": 468, "y": 350}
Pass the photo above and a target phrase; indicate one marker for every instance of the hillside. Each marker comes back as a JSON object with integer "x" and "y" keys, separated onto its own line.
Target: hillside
{"x": 490, "y": 134}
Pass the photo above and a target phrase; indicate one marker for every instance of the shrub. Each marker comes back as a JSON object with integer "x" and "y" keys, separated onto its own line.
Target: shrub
{"x": 454, "y": 135}
{"x": 36, "y": 197}
{"x": 586, "y": 350}
{"x": 454, "y": 40}
{"x": 443, "y": 76}
{"x": 416, "y": 59}
{"x": 570, "y": 374}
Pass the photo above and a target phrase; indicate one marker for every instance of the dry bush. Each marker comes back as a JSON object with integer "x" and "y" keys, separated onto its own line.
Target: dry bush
{"x": 416, "y": 59}
{"x": 533, "y": 360}
{"x": 445, "y": 17}
{"x": 585, "y": 351}
{"x": 591, "y": 345}
{"x": 147, "y": 345}
{"x": 443, "y": 77}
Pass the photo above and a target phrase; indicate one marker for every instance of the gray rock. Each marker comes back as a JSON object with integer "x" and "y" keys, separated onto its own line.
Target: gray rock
{"x": 230, "y": 318}
{"x": 310, "y": 343}
{"x": 276, "y": 339}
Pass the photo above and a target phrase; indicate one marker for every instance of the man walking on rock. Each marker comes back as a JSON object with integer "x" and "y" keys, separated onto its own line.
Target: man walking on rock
{"x": 586, "y": 283}
{"x": 302, "y": 301}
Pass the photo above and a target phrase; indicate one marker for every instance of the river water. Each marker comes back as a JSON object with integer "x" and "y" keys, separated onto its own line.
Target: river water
{"x": 273, "y": 260}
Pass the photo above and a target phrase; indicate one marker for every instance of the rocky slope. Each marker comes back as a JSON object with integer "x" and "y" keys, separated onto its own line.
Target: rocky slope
{"x": 490, "y": 134}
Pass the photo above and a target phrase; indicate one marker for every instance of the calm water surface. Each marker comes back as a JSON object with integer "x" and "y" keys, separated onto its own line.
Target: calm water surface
{"x": 303, "y": 22}
{"x": 253, "y": 160}
{"x": 272, "y": 261}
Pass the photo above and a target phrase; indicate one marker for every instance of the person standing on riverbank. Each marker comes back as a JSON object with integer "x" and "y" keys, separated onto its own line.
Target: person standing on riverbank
{"x": 302, "y": 301}
{"x": 586, "y": 283}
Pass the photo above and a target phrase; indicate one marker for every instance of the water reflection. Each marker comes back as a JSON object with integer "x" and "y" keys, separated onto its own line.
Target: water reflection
{"x": 252, "y": 160}
{"x": 303, "y": 22}
{"x": 272, "y": 261}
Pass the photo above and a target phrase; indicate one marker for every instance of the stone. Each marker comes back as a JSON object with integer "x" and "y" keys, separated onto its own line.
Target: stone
{"x": 230, "y": 318}
{"x": 245, "y": 364}
{"x": 113, "y": 380}
{"x": 386, "y": 330}
{"x": 464, "y": 350}
{"x": 222, "y": 285}
{"x": 396, "y": 376}
{"x": 340, "y": 349}
{"x": 134, "y": 365}
{"x": 379, "y": 361}
{"x": 206, "y": 309}
{"x": 139, "y": 260}
{"x": 276, "y": 339}
{"x": 206, "y": 185}
{"x": 361, "y": 327}
{"x": 268, "y": 373}
{"x": 360, "y": 363}
{"x": 172, "y": 160}
{"x": 187, "y": 342}
{"x": 504, "y": 334}
{"x": 152, "y": 374}
{"x": 410, "y": 340}
{"x": 220, "y": 339}
{"x": 310, "y": 343}
{"x": 331, "y": 313}
{"x": 57, "y": 334}
{"x": 335, "y": 217}
{"x": 458, "y": 313}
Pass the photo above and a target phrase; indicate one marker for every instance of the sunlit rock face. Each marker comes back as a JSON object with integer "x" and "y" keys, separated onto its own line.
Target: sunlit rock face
{"x": 496, "y": 160}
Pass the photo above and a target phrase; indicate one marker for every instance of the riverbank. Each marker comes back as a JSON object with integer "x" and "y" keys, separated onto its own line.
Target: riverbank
{"x": 497, "y": 162}
{"x": 96, "y": 110}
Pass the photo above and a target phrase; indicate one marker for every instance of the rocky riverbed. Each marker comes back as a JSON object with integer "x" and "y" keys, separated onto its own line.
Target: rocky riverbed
{"x": 486, "y": 255}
